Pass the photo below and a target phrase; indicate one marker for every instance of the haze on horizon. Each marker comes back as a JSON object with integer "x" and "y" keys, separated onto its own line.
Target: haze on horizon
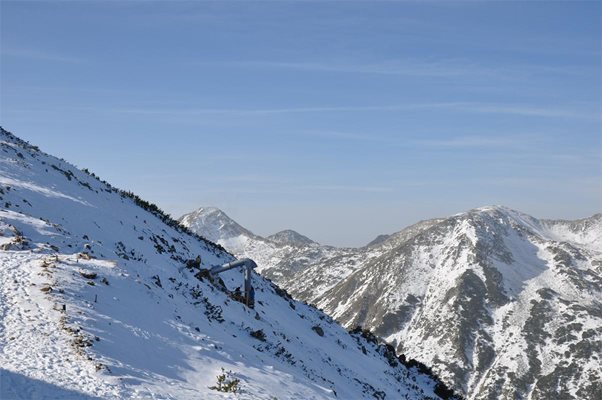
{"x": 340, "y": 120}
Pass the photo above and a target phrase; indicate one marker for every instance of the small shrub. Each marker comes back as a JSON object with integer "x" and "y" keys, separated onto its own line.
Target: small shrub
{"x": 365, "y": 333}
{"x": 281, "y": 292}
{"x": 318, "y": 329}
{"x": 258, "y": 334}
{"x": 226, "y": 383}
{"x": 88, "y": 275}
{"x": 157, "y": 281}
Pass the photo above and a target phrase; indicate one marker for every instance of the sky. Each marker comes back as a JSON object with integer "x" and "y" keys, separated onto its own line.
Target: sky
{"x": 339, "y": 119}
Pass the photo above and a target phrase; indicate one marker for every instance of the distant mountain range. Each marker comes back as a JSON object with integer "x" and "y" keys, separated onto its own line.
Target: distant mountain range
{"x": 278, "y": 255}
{"x": 501, "y": 304}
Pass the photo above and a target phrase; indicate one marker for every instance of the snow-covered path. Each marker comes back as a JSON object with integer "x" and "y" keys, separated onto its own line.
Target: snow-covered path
{"x": 35, "y": 352}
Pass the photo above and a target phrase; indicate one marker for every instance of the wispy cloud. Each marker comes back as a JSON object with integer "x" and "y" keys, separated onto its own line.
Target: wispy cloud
{"x": 470, "y": 141}
{"x": 444, "y": 68}
{"x": 346, "y": 188}
{"x": 38, "y": 55}
{"x": 257, "y": 111}
{"x": 351, "y": 136}
{"x": 526, "y": 110}
{"x": 299, "y": 189}
{"x": 432, "y": 69}
{"x": 581, "y": 111}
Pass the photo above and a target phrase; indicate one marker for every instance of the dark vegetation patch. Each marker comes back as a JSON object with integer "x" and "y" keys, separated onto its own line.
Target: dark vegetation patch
{"x": 88, "y": 275}
{"x": 258, "y": 334}
{"x": 318, "y": 329}
{"x": 212, "y": 312}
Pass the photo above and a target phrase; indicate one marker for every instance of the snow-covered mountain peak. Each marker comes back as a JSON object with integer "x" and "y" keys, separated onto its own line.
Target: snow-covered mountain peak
{"x": 290, "y": 237}
{"x": 586, "y": 231}
{"x": 214, "y": 224}
{"x": 488, "y": 219}
{"x": 499, "y": 213}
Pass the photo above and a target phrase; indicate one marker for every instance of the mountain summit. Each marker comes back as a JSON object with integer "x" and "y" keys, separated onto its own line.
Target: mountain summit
{"x": 291, "y": 237}
{"x": 214, "y": 224}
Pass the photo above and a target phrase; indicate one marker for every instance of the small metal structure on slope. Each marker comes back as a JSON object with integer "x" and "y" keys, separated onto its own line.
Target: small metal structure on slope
{"x": 248, "y": 265}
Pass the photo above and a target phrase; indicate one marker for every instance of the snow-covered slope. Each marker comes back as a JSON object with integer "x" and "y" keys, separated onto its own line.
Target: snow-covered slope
{"x": 100, "y": 297}
{"x": 501, "y": 304}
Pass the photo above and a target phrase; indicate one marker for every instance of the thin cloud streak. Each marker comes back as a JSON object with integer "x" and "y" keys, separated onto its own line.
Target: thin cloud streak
{"x": 349, "y": 136}
{"x": 481, "y": 108}
{"x": 439, "y": 68}
{"x": 392, "y": 68}
{"x": 525, "y": 111}
{"x": 470, "y": 141}
{"x": 344, "y": 188}
{"x": 295, "y": 190}
{"x": 38, "y": 55}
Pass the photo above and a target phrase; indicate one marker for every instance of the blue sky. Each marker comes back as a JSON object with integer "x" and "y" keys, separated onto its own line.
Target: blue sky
{"x": 341, "y": 120}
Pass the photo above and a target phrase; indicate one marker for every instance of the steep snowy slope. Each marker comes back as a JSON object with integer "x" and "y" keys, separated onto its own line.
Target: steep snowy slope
{"x": 502, "y": 305}
{"x": 100, "y": 297}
